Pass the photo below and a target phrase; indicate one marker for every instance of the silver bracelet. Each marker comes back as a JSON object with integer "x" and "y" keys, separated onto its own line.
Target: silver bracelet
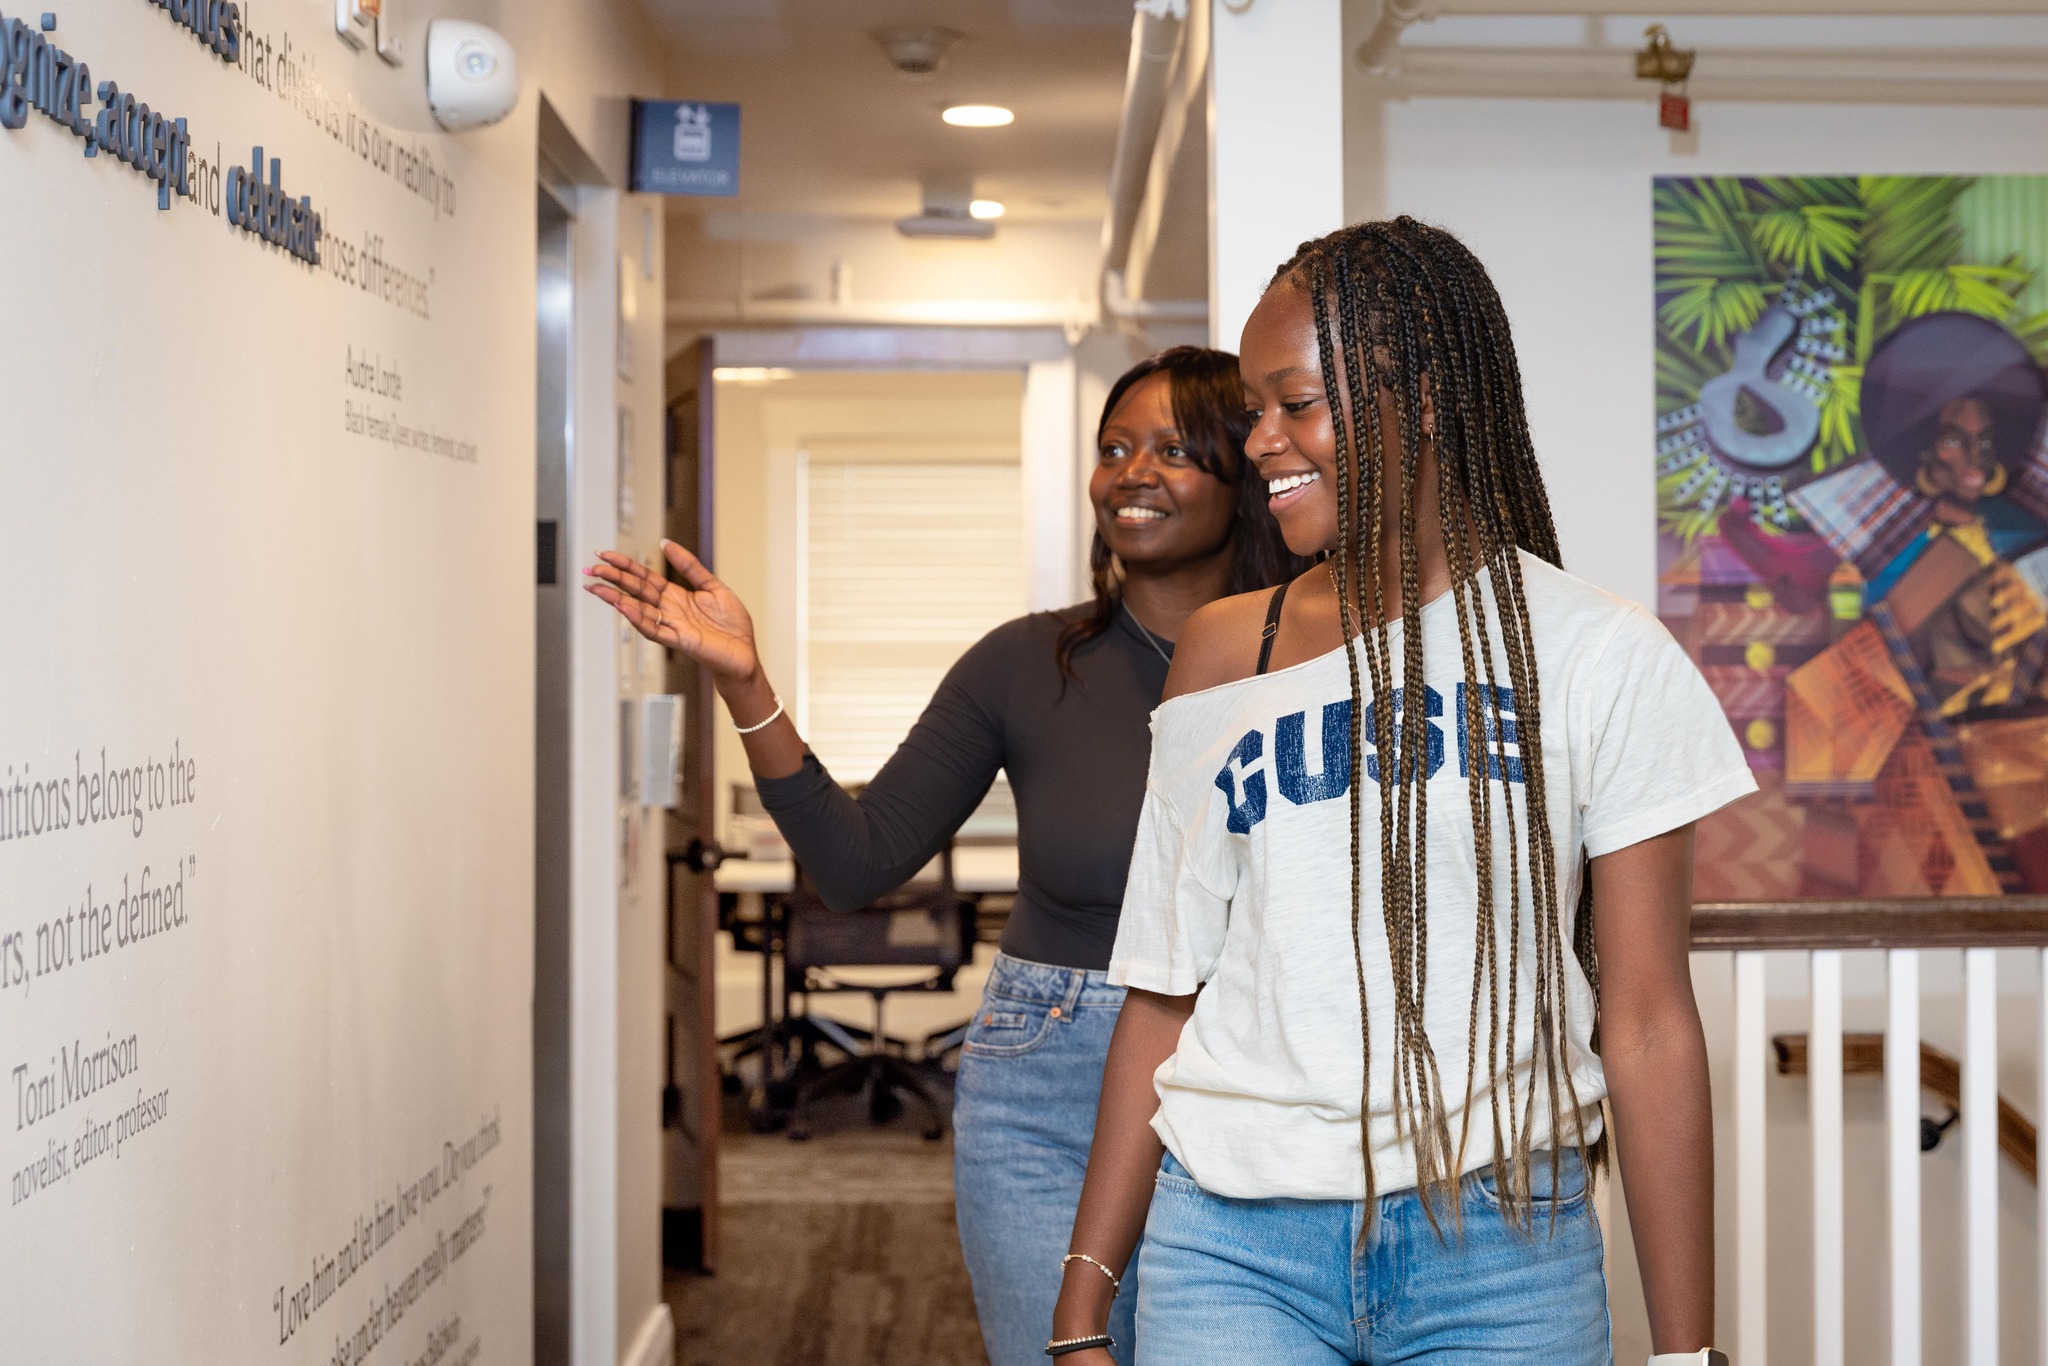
{"x": 1084, "y": 1257}
{"x": 763, "y": 725}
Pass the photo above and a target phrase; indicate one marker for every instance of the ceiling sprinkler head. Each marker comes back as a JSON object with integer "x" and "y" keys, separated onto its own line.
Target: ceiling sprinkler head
{"x": 916, "y": 53}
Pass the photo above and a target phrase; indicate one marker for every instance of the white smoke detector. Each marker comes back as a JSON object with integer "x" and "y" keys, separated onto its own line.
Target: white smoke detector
{"x": 916, "y": 53}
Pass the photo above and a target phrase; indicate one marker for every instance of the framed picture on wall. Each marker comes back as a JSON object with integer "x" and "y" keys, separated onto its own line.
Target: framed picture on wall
{"x": 1852, "y": 523}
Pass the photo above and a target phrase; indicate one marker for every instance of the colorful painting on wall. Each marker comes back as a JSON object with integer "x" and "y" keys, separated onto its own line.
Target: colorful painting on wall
{"x": 1852, "y": 523}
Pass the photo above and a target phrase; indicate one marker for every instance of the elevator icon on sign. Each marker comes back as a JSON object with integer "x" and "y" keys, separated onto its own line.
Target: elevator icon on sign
{"x": 686, "y": 147}
{"x": 693, "y": 133}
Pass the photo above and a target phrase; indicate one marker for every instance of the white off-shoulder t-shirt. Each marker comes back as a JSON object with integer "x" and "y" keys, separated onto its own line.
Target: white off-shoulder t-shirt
{"x": 1240, "y": 881}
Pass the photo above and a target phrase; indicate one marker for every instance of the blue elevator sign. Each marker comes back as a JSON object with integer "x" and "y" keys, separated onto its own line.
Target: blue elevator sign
{"x": 686, "y": 147}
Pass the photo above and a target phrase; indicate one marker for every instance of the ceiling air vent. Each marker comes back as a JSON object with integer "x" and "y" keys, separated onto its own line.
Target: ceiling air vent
{"x": 947, "y": 211}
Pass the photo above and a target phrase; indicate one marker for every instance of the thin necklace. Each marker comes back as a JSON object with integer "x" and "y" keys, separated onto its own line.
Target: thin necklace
{"x": 1150, "y": 639}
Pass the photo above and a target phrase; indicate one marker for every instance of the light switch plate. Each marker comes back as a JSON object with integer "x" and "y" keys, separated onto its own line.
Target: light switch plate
{"x": 356, "y": 21}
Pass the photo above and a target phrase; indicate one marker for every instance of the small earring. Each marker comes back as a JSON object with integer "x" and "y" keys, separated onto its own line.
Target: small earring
{"x": 1926, "y": 486}
{"x": 1995, "y": 485}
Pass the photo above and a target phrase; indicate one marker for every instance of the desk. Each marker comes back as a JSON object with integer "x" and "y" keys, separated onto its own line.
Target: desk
{"x": 976, "y": 869}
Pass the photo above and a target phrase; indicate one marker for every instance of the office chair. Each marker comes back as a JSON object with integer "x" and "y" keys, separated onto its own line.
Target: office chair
{"x": 921, "y": 924}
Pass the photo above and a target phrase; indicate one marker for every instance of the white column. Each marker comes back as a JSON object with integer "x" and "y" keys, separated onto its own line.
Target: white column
{"x": 1752, "y": 1210}
{"x": 1980, "y": 1156}
{"x": 1052, "y": 478}
{"x": 1902, "y": 1144}
{"x": 1276, "y": 144}
{"x": 1824, "y": 1078}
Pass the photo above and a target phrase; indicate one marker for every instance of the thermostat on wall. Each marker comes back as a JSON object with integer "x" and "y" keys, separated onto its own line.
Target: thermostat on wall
{"x": 651, "y": 749}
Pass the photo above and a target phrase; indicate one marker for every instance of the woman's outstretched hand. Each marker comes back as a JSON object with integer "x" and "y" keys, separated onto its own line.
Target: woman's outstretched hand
{"x": 699, "y": 616}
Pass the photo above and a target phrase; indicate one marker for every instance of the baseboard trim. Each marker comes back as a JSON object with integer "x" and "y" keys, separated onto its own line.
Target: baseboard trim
{"x": 655, "y": 1343}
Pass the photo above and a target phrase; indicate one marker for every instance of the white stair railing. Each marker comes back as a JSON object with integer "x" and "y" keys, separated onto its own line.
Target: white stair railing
{"x": 1752, "y": 933}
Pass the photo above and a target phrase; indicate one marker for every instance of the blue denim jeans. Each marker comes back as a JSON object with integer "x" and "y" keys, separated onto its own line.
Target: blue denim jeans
{"x": 1023, "y": 1117}
{"x": 1288, "y": 1282}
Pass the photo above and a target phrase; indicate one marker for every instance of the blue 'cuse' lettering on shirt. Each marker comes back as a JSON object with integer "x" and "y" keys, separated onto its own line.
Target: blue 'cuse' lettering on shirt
{"x": 1237, "y": 775}
{"x": 1433, "y": 742}
{"x": 1242, "y": 779}
{"x": 1297, "y": 784}
{"x": 1497, "y": 734}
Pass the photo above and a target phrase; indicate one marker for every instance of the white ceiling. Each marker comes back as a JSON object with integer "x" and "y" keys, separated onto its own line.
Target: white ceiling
{"x": 829, "y": 129}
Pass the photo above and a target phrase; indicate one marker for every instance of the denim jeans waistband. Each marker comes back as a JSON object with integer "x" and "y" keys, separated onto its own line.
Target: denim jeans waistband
{"x": 1019, "y": 979}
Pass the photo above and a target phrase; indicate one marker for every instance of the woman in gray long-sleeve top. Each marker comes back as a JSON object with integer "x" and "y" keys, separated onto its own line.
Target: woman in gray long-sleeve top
{"x": 1061, "y": 701}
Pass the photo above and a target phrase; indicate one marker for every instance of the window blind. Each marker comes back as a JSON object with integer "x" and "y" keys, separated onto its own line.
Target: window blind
{"x": 906, "y": 564}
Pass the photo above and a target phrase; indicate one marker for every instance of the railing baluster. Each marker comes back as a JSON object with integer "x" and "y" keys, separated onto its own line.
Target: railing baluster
{"x": 1979, "y": 927}
{"x": 1902, "y": 1144}
{"x": 2041, "y": 1165}
{"x": 1980, "y": 1155}
{"x": 1824, "y": 1076}
{"x": 1752, "y": 1230}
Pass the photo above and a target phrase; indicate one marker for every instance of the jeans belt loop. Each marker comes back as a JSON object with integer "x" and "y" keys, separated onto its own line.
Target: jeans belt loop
{"x": 1077, "y": 982}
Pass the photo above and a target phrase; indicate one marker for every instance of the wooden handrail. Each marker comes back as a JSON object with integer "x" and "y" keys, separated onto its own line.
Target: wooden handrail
{"x": 1956, "y": 923}
{"x": 1941, "y": 1074}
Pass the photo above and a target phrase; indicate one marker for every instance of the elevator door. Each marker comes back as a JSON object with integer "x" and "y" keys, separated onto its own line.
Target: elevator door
{"x": 554, "y": 595}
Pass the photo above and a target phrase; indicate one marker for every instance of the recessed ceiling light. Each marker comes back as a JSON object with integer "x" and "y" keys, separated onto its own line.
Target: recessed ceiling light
{"x": 750, "y": 374}
{"x": 986, "y": 208}
{"x": 978, "y": 116}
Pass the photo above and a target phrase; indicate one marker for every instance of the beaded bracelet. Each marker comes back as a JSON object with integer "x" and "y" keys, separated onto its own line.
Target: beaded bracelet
{"x": 1060, "y": 1347}
{"x": 761, "y": 725}
{"x": 1084, "y": 1257}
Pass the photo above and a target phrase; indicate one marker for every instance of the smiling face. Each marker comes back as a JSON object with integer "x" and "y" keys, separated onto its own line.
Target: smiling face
{"x": 1294, "y": 441}
{"x": 1963, "y": 459}
{"x": 1156, "y": 508}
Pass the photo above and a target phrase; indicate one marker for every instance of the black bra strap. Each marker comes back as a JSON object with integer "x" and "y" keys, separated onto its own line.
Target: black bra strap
{"x": 1272, "y": 626}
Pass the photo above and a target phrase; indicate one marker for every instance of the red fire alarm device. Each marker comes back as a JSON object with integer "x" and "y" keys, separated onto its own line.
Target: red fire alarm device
{"x": 1674, "y": 111}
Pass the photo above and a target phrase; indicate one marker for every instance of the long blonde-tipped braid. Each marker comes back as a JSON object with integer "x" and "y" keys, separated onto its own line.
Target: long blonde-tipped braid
{"x": 1498, "y": 531}
{"x": 1416, "y": 268}
{"x": 1413, "y": 1091}
{"x": 1396, "y": 909}
{"x": 1526, "y": 502}
{"x": 1551, "y": 981}
{"x": 1343, "y": 576}
{"x": 1433, "y": 1159}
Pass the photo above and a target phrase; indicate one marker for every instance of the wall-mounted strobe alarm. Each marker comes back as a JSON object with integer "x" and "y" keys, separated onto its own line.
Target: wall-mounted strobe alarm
{"x": 472, "y": 74}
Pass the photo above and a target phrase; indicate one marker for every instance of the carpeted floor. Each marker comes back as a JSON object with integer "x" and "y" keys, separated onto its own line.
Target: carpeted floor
{"x": 840, "y": 1251}
{"x": 830, "y": 1285}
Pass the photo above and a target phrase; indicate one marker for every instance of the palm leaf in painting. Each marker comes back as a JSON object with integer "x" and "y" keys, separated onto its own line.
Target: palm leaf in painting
{"x": 1841, "y": 411}
{"x": 1813, "y": 239}
{"x": 1682, "y": 370}
{"x": 1794, "y": 192}
{"x": 1701, "y": 233}
{"x": 1713, "y": 310}
{"x": 1988, "y": 291}
{"x": 1911, "y": 222}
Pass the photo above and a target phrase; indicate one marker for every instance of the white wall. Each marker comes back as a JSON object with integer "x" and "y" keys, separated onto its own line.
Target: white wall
{"x": 1555, "y": 197}
{"x": 337, "y": 632}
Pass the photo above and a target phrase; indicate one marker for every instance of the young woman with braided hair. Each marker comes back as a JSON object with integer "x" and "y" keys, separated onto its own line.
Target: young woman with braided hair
{"x": 1372, "y": 1136}
{"x": 1057, "y": 700}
